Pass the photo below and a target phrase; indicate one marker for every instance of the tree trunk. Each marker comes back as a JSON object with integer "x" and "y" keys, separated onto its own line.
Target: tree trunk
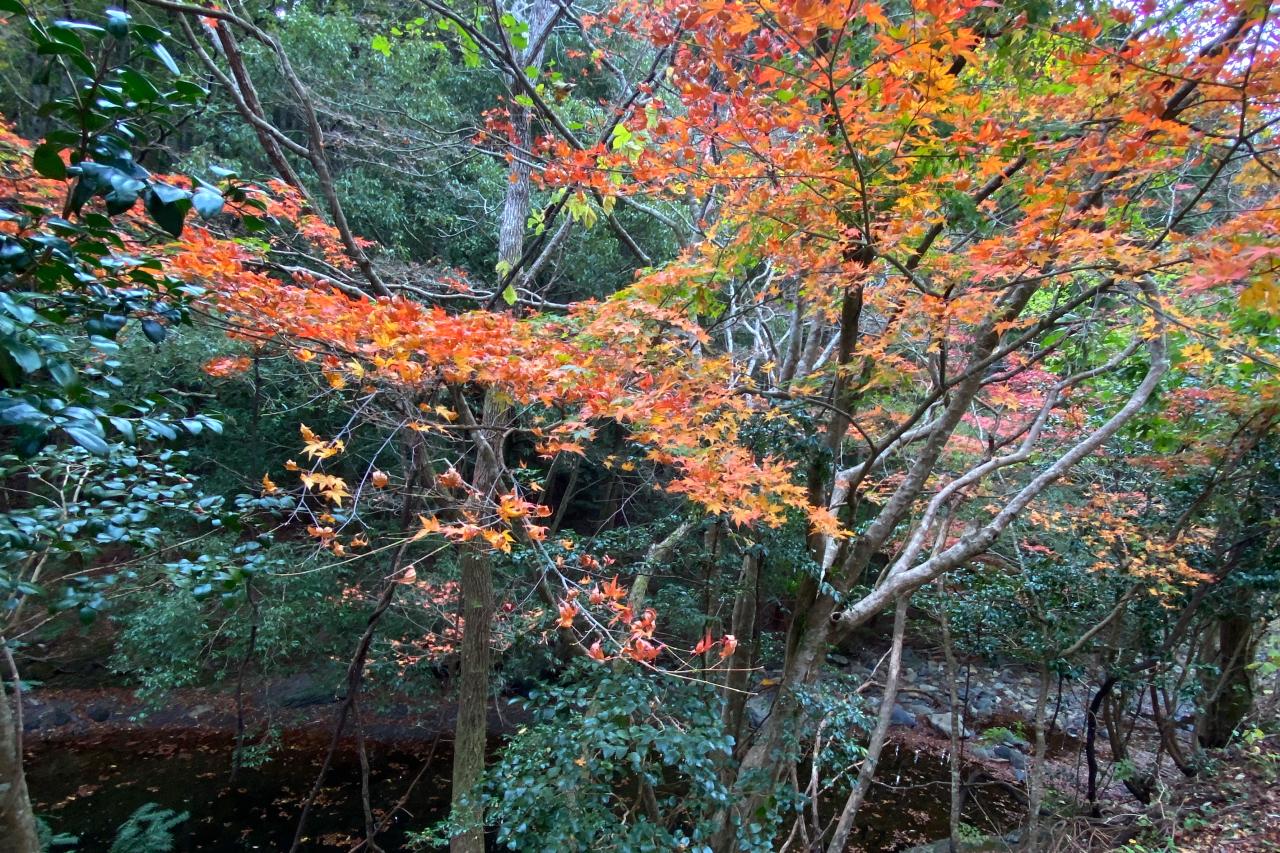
{"x": 515, "y": 207}
{"x": 743, "y": 628}
{"x": 17, "y": 820}
{"x": 1232, "y": 699}
{"x": 476, "y": 609}
{"x": 1035, "y": 779}
{"x": 948, "y": 650}
{"x": 867, "y": 772}
{"x": 473, "y": 699}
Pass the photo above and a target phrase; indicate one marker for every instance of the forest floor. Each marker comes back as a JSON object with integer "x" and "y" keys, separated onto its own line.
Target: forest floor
{"x": 1234, "y": 807}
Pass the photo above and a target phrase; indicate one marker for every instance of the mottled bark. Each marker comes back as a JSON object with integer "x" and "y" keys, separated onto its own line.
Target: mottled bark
{"x": 476, "y": 606}
{"x": 17, "y": 820}
{"x": 515, "y": 206}
{"x": 1232, "y": 699}
{"x": 1035, "y": 779}
{"x": 473, "y": 697}
{"x": 948, "y": 651}
{"x": 743, "y": 628}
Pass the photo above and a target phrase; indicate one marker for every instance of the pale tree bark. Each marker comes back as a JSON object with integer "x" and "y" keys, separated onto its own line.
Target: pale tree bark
{"x": 820, "y": 616}
{"x": 1035, "y": 779}
{"x": 867, "y": 772}
{"x": 659, "y": 552}
{"x": 17, "y": 820}
{"x": 953, "y": 672}
{"x": 515, "y": 206}
{"x": 476, "y": 582}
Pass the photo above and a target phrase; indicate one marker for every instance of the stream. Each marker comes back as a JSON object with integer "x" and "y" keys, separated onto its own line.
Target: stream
{"x": 88, "y": 789}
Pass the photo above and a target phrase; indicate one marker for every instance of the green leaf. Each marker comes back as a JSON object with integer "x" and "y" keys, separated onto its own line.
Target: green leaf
{"x": 102, "y": 344}
{"x": 160, "y": 428}
{"x": 509, "y": 295}
{"x": 207, "y": 202}
{"x": 154, "y": 330}
{"x": 88, "y": 440}
{"x": 62, "y": 373}
{"x": 168, "y": 214}
{"x": 162, "y": 54}
{"x": 117, "y": 23}
{"x": 124, "y": 427}
{"x": 382, "y": 45}
{"x": 190, "y": 91}
{"x": 139, "y": 86}
{"x": 169, "y": 194}
{"x": 48, "y": 162}
{"x": 26, "y": 357}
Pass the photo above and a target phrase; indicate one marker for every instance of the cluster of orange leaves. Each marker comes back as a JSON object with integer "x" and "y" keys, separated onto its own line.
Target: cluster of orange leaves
{"x": 626, "y": 360}
{"x": 813, "y": 153}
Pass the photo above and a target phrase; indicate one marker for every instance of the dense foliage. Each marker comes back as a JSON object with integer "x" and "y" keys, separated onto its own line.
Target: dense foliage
{"x": 630, "y": 361}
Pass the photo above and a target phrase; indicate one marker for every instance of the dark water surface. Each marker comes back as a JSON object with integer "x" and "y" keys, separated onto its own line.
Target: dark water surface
{"x": 910, "y": 803}
{"x": 89, "y": 789}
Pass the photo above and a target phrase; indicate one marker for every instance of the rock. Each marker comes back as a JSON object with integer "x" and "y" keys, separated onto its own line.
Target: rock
{"x": 942, "y": 722}
{"x": 920, "y": 709}
{"x": 99, "y": 712}
{"x": 1017, "y": 759}
{"x": 902, "y": 717}
{"x": 758, "y": 708}
{"x": 303, "y": 691}
{"x": 58, "y": 717}
{"x": 837, "y": 659}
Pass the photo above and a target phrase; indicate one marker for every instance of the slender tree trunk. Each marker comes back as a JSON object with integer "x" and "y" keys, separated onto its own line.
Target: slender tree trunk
{"x": 17, "y": 820}
{"x": 1035, "y": 779}
{"x": 476, "y": 606}
{"x": 515, "y": 207}
{"x": 867, "y": 772}
{"x": 473, "y": 699}
{"x": 743, "y": 628}
{"x": 476, "y": 587}
{"x": 948, "y": 651}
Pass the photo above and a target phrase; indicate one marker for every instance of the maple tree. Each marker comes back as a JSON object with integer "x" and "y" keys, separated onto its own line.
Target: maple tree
{"x": 870, "y": 169}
